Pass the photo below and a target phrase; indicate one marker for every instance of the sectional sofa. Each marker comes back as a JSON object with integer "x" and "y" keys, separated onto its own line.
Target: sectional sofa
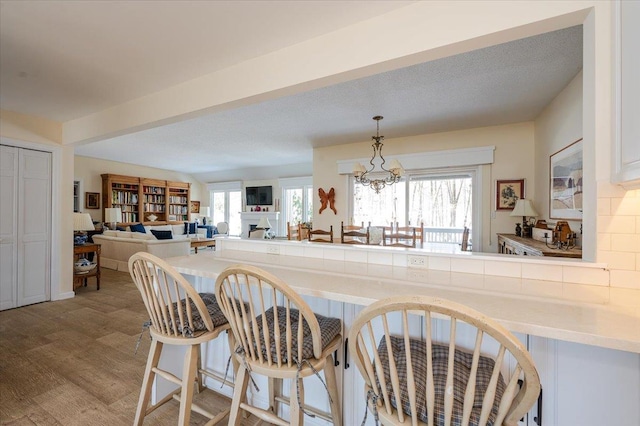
{"x": 118, "y": 246}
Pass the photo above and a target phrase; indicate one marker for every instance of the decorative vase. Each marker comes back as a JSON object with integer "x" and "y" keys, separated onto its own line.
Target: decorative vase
{"x": 152, "y": 217}
{"x": 518, "y": 230}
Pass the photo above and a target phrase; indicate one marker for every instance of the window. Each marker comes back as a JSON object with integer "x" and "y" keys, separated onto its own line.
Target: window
{"x": 443, "y": 203}
{"x": 442, "y": 200}
{"x": 227, "y": 203}
{"x": 297, "y": 205}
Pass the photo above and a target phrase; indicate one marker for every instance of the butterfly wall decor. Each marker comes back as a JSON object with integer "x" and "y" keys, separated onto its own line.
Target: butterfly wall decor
{"x": 327, "y": 198}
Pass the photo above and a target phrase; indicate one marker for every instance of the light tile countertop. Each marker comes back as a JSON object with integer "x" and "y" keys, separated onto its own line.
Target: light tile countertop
{"x": 584, "y": 314}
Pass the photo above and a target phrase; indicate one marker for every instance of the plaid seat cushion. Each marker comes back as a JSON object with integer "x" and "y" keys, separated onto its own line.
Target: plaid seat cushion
{"x": 329, "y": 329}
{"x": 461, "y": 372}
{"x": 217, "y": 317}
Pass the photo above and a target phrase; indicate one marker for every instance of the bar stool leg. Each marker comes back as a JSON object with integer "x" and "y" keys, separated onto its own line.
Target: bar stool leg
{"x": 297, "y": 415}
{"x": 332, "y": 385}
{"x": 239, "y": 394}
{"x": 145, "y": 392}
{"x": 275, "y": 390}
{"x": 189, "y": 371}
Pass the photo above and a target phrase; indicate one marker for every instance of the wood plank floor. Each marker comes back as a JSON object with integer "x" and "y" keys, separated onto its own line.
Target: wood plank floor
{"x": 72, "y": 362}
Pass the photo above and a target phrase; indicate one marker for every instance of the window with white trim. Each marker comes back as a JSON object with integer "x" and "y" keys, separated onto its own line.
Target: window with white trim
{"x": 226, "y": 202}
{"x": 297, "y": 201}
{"x": 441, "y": 200}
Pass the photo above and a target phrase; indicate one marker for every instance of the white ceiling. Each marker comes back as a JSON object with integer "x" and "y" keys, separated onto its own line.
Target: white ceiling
{"x": 67, "y": 61}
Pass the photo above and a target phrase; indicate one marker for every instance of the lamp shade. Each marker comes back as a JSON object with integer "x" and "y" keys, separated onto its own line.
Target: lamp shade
{"x": 264, "y": 223}
{"x": 524, "y": 208}
{"x": 113, "y": 215}
{"x": 206, "y": 211}
{"x": 82, "y": 222}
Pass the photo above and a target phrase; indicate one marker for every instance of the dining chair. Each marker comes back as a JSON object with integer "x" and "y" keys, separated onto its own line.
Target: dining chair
{"x": 354, "y": 234}
{"x": 399, "y": 239}
{"x": 418, "y": 381}
{"x": 257, "y": 234}
{"x": 278, "y": 336}
{"x": 320, "y": 235}
{"x": 179, "y": 316}
{"x": 465, "y": 246}
{"x": 294, "y": 232}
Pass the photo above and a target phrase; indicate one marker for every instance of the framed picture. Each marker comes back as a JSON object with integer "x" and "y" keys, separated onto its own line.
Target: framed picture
{"x": 92, "y": 200}
{"x": 508, "y": 192}
{"x": 194, "y": 207}
{"x": 173, "y": 217}
{"x": 565, "y": 182}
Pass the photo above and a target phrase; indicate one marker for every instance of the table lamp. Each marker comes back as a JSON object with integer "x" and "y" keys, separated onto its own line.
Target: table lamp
{"x": 524, "y": 208}
{"x": 81, "y": 222}
{"x": 112, "y": 216}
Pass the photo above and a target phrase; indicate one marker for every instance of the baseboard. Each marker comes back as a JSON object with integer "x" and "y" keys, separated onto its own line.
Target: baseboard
{"x": 65, "y": 295}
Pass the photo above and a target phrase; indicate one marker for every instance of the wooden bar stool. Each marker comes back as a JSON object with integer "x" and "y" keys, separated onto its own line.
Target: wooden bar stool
{"x": 278, "y": 336}
{"x": 417, "y": 381}
{"x": 178, "y": 316}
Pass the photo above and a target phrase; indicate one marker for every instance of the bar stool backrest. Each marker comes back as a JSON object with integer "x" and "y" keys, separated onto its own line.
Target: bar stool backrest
{"x": 173, "y": 304}
{"x": 320, "y": 235}
{"x": 258, "y": 323}
{"x": 379, "y": 348}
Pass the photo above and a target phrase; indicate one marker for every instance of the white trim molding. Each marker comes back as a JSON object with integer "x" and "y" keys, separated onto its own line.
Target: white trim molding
{"x": 432, "y": 160}
{"x": 225, "y": 186}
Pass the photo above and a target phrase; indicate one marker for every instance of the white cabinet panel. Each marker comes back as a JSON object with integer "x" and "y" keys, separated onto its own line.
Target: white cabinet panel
{"x": 587, "y": 385}
{"x": 626, "y": 156}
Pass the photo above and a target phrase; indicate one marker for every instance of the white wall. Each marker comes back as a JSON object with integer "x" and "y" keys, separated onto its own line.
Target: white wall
{"x": 88, "y": 170}
{"x": 559, "y": 125}
{"x": 513, "y": 153}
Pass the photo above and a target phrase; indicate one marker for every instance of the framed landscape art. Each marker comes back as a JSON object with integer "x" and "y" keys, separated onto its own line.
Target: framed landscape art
{"x": 565, "y": 189}
{"x": 508, "y": 192}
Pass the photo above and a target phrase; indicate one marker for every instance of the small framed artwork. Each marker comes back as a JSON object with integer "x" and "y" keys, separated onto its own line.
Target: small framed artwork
{"x": 508, "y": 192}
{"x": 195, "y": 207}
{"x": 92, "y": 200}
{"x": 565, "y": 182}
{"x": 173, "y": 217}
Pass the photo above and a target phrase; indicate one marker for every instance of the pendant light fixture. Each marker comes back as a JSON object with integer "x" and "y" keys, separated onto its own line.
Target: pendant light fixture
{"x": 378, "y": 176}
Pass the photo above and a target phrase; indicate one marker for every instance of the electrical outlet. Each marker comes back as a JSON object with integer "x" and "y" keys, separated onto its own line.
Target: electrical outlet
{"x": 418, "y": 261}
{"x": 273, "y": 249}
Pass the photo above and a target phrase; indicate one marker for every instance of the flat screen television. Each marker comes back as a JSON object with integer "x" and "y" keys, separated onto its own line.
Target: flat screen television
{"x": 259, "y": 195}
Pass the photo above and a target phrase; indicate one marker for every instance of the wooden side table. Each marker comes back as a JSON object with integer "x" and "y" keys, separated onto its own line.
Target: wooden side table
{"x": 82, "y": 251}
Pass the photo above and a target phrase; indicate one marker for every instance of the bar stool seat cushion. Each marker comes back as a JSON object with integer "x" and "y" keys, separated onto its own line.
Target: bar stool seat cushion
{"x": 462, "y": 369}
{"x": 217, "y": 317}
{"x": 329, "y": 329}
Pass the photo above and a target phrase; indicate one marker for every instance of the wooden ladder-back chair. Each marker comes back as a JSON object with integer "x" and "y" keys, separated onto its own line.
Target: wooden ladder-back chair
{"x": 465, "y": 246}
{"x": 420, "y": 234}
{"x": 278, "y": 336}
{"x": 399, "y": 239}
{"x": 320, "y": 235}
{"x": 354, "y": 234}
{"x": 441, "y": 383}
{"x": 294, "y": 232}
{"x": 178, "y": 316}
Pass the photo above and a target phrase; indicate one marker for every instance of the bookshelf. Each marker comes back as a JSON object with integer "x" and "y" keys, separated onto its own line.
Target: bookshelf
{"x": 178, "y": 201}
{"x": 138, "y": 198}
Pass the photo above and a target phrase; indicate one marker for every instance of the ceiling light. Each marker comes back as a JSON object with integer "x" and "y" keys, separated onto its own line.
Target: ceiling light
{"x": 369, "y": 177}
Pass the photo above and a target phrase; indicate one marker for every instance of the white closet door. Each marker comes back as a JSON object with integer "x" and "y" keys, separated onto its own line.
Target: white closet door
{"x": 25, "y": 226}
{"x": 34, "y": 227}
{"x": 8, "y": 227}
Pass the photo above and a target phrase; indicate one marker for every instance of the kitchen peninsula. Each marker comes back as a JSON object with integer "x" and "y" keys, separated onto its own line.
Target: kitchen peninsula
{"x": 583, "y": 337}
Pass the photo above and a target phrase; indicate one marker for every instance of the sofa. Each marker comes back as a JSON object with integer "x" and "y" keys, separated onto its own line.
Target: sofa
{"x": 118, "y": 246}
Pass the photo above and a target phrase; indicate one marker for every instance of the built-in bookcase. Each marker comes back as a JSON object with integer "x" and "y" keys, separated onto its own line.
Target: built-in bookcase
{"x": 140, "y": 199}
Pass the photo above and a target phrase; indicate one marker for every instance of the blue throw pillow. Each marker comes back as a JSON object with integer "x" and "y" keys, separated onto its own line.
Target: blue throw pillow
{"x": 190, "y": 228}
{"x": 138, "y": 227}
{"x": 120, "y": 228}
{"x": 162, "y": 235}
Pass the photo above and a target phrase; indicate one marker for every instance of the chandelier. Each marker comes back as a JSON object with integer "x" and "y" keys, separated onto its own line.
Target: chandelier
{"x": 378, "y": 178}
